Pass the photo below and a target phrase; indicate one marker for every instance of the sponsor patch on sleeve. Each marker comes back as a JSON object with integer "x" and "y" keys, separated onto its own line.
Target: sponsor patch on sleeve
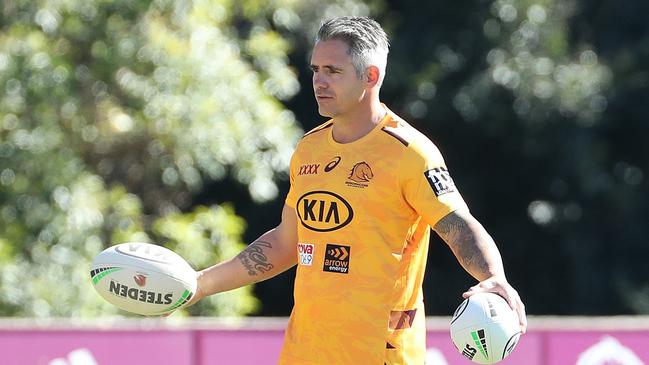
{"x": 440, "y": 180}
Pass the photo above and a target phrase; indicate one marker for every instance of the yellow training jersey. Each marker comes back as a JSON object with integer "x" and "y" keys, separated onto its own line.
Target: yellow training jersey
{"x": 364, "y": 211}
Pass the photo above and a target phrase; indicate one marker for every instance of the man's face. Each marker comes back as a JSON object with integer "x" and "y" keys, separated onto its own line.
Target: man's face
{"x": 335, "y": 83}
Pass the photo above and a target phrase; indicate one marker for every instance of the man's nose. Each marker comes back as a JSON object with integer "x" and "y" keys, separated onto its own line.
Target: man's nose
{"x": 319, "y": 80}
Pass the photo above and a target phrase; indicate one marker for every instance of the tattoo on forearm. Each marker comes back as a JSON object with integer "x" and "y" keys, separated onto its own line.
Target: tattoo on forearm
{"x": 254, "y": 259}
{"x": 464, "y": 243}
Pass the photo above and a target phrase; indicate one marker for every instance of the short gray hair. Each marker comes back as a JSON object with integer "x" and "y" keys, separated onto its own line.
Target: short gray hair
{"x": 368, "y": 43}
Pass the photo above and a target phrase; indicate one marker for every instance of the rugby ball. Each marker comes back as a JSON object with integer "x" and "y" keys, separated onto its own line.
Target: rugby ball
{"x": 143, "y": 278}
{"x": 485, "y": 329}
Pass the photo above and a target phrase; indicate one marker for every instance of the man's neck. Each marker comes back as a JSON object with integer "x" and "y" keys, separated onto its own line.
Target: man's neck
{"x": 358, "y": 123}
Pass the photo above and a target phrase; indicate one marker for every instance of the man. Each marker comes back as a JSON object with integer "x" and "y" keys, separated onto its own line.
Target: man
{"x": 365, "y": 188}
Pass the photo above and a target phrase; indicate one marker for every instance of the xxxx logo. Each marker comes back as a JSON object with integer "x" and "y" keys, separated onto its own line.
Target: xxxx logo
{"x": 337, "y": 258}
{"x": 309, "y": 169}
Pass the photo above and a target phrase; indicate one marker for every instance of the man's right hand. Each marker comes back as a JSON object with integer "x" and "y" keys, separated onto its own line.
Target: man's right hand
{"x": 198, "y": 294}
{"x": 272, "y": 253}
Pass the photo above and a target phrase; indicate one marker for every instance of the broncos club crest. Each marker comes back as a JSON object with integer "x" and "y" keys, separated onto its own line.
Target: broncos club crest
{"x": 360, "y": 175}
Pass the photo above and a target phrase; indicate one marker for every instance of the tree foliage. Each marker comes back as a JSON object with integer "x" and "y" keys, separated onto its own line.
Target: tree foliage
{"x": 115, "y": 114}
{"x": 145, "y": 120}
{"x": 533, "y": 106}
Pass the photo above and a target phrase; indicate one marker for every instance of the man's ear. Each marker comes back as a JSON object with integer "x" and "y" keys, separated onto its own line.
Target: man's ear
{"x": 372, "y": 75}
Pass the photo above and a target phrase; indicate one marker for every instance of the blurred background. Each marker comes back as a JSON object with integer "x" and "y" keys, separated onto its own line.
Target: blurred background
{"x": 173, "y": 122}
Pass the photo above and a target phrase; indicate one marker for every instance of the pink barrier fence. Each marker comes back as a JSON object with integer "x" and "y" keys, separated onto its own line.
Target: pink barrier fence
{"x": 207, "y": 343}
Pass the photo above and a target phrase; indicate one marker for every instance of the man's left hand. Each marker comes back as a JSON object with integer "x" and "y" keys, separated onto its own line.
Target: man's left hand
{"x": 501, "y": 287}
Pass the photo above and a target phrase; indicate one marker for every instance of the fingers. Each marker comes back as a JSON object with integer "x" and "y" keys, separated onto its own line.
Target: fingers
{"x": 522, "y": 317}
{"x": 515, "y": 302}
{"x": 517, "y": 305}
{"x": 198, "y": 295}
{"x": 487, "y": 286}
{"x": 469, "y": 292}
{"x": 507, "y": 292}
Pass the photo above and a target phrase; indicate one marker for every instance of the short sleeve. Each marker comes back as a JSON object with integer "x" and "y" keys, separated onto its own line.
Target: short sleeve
{"x": 426, "y": 183}
{"x": 291, "y": 198}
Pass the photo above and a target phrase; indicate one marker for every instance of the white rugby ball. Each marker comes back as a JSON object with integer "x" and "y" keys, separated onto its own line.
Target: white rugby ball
{"x": 485, "y": 329}
{"x": 143, "y": 278}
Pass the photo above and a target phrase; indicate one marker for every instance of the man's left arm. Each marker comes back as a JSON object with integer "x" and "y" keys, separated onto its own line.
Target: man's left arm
{"x": 479, "y": 256}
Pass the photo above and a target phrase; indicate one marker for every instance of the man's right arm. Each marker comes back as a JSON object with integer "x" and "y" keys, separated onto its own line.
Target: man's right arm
{"x": 271, "y": 254}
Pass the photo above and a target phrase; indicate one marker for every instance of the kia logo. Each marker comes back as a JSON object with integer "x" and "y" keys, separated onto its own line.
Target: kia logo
{"x": 324, "y": 211}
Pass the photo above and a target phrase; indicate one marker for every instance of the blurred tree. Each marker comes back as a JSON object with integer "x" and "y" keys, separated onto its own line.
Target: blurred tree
{"x": 115, "y": 114}
{"x": 138, "y": 120}
{"x": 614, "y": 198}
{"x": 535, "y": 104}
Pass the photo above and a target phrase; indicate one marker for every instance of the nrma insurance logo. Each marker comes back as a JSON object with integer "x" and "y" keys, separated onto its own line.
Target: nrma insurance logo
{"x": 324, "y": 211}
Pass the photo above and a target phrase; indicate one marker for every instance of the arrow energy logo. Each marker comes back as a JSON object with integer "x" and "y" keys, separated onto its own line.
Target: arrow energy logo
{"x": 337, "y": 259}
